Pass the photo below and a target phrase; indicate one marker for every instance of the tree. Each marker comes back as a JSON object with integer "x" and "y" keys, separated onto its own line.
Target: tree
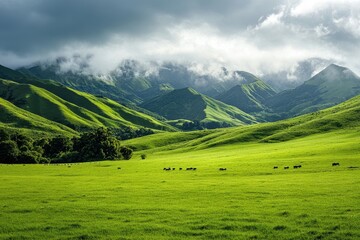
{"x": 126, "y": 152}
{"x": 23, "y": 142}
{"x": 8, "y": 151}
{"x": 98, "y": 144}
{"x": 58, "y": 145}
{"x": 29, "y": 157}
{"x": 4, "y": 135}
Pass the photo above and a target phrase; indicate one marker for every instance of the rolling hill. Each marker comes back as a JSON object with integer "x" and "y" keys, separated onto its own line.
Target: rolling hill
{"x": 188, "y": 104}
{"x": 73, "y": 108}
{"x": 17, "y": 119}
{"x": 344, "y": 117}
{"x": 331, "y": 86}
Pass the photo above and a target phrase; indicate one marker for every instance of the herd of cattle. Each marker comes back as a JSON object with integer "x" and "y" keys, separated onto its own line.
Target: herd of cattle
{"x": 173, "y": 169}
{"x": 187, "y": 169}
{"x": 299, "y": 166}
{"x": 224, "y": 169}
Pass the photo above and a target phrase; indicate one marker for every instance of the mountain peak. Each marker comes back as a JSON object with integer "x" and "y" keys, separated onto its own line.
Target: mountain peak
{"x": 333, "y": 73}
{"x": 334, "y": 67}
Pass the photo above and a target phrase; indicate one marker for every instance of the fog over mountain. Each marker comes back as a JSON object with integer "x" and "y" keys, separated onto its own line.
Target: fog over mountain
{"x": 272, "y": 39}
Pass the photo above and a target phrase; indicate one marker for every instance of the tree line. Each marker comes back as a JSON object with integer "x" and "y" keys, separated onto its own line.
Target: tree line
{"x": 98, "y": 144}
{"x": 197, "y": 125}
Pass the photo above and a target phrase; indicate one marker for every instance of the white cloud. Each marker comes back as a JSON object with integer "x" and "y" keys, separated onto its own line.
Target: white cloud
{"x": 273, "y": 19}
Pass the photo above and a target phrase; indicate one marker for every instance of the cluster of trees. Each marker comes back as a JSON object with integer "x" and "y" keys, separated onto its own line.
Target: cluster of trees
{"x": 197, "y": 125}
{"x": 128, "y": 133}
{"x": 99, "y": 144}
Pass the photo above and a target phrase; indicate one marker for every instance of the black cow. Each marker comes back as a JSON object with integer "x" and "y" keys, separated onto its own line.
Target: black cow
{"x": 222, "y": 169}
{"x": 286, "y": 167}
{"x": 335, "y": 164}
{"x": 276, "y": 167}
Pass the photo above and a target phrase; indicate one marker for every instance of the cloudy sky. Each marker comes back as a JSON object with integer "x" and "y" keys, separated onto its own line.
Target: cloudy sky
{"x": 260, "y": 36}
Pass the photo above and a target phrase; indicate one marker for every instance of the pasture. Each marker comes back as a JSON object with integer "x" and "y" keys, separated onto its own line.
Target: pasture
{"x": 250, "y": 200}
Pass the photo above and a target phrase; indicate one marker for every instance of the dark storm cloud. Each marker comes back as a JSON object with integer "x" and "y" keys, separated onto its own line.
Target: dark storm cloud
{"x": 253, "y": 35}
{"x": 40, "y": 25}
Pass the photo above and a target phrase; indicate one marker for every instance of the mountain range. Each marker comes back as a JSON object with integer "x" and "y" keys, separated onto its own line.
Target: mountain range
{"x": 70, "y": 101}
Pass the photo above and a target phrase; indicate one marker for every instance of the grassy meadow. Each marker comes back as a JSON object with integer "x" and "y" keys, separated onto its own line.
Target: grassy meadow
{"x": 250, "y": 200}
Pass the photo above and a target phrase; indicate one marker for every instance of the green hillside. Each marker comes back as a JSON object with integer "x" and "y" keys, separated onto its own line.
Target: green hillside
{"x": 73, "y": 108}
{"x": 14, "y": 118}
{"x": 70, "y": 107}
{"x": 345, "y": 116}
{"x": 188, "y": 104}
{"x": 248, "y": 97}
{"x": 331, "y": 86}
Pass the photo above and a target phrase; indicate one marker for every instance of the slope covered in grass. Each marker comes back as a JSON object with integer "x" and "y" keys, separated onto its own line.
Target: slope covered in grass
{"x": 345, "y": 116}
{"x": 82, "y": 110}
{"x": 16, "y": 119}
{"x": 188, "y": 104}
{"x": 248, "y": 97}
{"x": 71, "y": 107}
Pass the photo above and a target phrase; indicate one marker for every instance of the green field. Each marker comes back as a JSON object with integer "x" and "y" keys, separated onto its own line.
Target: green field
{"x": 250, "y": 200}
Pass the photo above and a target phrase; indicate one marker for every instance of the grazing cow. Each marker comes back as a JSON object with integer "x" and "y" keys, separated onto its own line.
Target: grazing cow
{"x": 173, "y": 169}
{"x": 119, "y": 168}
{"x": 189, "y": 168}
{"x": 336, "y": 164}
{"x": 222, "y": 169}
{"x": 286, "y": 167}
{"x": 167, "y": 169}
{"x": 297, "y": 166}
{"x": 194, "y": 168}
{"x": 276, "y": 167}
{"x": 180, "y": 168}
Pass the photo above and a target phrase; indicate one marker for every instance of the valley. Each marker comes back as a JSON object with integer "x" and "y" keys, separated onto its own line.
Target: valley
{"x": 137, "y": 199}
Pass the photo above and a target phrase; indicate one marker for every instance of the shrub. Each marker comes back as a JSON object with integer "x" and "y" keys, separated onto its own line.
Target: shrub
{"x": 8, "y": 151}
{"x": 29, "y": 157}
{"x": 126, "y": 152}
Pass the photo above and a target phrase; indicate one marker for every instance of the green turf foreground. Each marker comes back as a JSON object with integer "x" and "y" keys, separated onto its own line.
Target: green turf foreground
{"x": 250, "y": 200}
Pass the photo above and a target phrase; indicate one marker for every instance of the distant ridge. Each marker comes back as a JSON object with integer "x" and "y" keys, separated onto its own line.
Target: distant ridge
{"x": 329, "y": 87}
{"x": 188, "y": 104}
